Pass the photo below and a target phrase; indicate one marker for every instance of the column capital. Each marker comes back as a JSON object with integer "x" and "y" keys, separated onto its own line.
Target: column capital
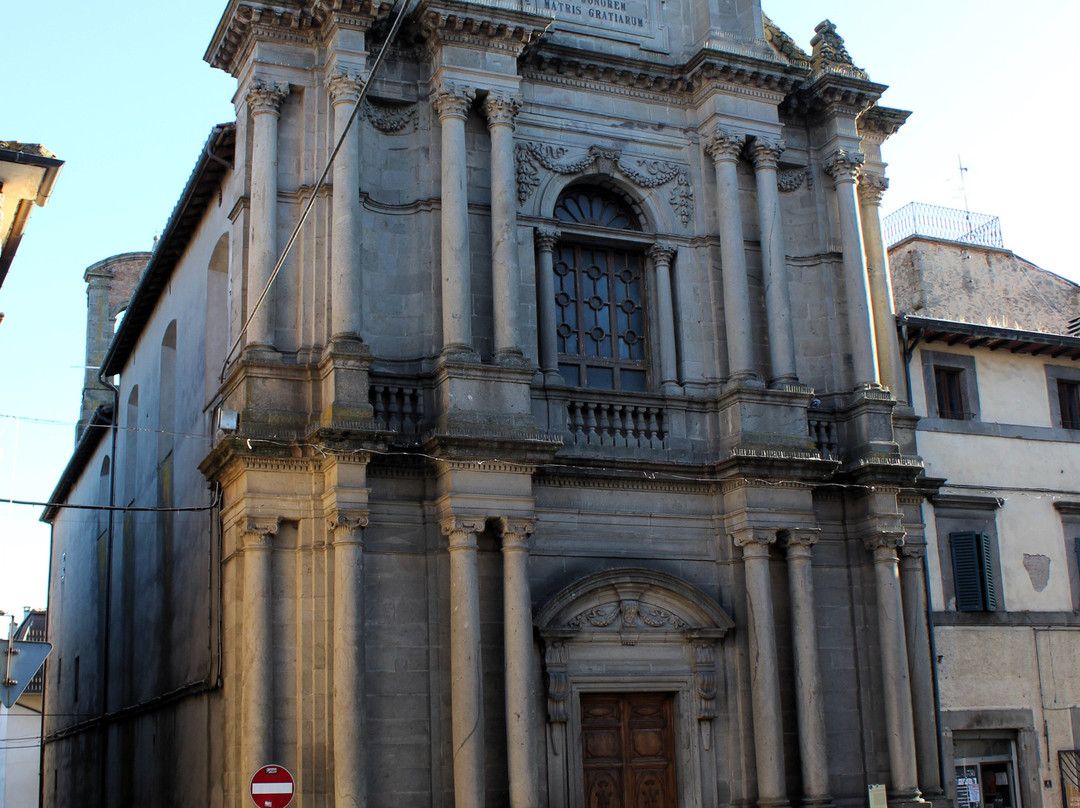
{"x": 546, "y": 237}
{"x": 885, "y": 540}
{"x": 453, "y": 101}
{"x": 462, "y": 530}
{"x": 265, "y": 97}
{"x": 347, "y": 526}
{"x": 765, "y": 152}
{"x": 872, "y": 188}
{"x": 844, "y": 165}
{"x": 259, "y": 532}
{"x": 344, "y": 87}
{"x": 661, "y": 254}
{"x": 753, "y": 537}
{"x": 725, "y": 145}
{"x": 914, "y": 551}
{"x": 801, "y": 536}
{"x": 516, "y": 532}
{"x": 501, "y": 109}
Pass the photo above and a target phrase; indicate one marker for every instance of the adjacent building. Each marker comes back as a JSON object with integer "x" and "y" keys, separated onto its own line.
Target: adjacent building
{"x": 20, "y": 725}
{"x": 991, "y": 349}
{"x": 28, "y": 172}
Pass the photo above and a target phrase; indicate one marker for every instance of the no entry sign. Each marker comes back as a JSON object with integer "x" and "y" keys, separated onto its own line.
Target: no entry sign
{"x": 272, "y": 787}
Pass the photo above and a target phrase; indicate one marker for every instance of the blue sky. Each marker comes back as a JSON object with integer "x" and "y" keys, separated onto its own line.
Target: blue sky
{"x": 124, "y": 97}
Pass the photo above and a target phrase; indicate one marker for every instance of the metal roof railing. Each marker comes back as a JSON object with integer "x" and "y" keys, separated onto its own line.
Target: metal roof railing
{"x": 949, "y": 224}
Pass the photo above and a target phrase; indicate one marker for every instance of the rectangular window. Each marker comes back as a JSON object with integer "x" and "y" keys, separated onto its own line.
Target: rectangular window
{"x": 1069, "y": 403}
{"x": 973, "y": 576}
{"x": 949, "y": 386}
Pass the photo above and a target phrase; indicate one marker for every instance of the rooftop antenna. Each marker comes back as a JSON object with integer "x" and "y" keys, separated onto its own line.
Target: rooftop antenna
{"x": 963, "y": 186}
{"x": 963, "y": 191}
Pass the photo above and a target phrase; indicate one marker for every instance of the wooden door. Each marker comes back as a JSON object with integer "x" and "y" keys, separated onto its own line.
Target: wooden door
{"x": 628, "y": 750}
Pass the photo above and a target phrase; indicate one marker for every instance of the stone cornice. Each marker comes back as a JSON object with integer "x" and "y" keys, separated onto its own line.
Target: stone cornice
{"x": 476, "y": 25}
{"x": 831, "y": 95}
{"x": 299, "y": 22}
{"x": 877, "y": 124}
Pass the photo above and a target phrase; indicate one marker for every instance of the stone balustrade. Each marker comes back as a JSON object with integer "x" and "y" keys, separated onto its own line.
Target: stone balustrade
{"x": 398, "y": 407}
{"x": 616, "y": 423}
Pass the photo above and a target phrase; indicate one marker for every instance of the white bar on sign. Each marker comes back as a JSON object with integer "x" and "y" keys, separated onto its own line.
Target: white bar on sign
{"x": 271, "y": 788}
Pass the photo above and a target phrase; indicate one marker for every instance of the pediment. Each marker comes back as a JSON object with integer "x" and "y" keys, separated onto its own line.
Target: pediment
{"x": 633, "y": 599}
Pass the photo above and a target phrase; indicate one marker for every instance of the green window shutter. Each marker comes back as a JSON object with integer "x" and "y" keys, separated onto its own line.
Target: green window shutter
{"x": 967, "y": 573}
{"x": 987, "y": 570}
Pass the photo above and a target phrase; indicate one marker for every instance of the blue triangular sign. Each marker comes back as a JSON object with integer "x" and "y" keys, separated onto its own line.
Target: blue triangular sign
{"x": 24, "y": 660}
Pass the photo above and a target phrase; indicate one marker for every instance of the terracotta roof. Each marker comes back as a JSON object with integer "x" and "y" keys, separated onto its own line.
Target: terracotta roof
{"x": 993, "y": 338}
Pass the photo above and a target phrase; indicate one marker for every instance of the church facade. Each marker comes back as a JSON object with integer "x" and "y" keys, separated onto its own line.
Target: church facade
{"x": 560, "y": 464}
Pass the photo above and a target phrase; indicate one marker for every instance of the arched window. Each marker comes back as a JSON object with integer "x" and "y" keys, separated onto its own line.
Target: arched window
{"x": 601, "y": 322}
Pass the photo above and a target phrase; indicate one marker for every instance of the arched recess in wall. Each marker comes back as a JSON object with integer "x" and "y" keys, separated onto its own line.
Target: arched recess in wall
{"x": 131, "y": 444}
{"x": 103, "y": 494}
{"x": 166, "y": 425}
{"x": 217, "y": 315}
{"x": 628, "y": 640}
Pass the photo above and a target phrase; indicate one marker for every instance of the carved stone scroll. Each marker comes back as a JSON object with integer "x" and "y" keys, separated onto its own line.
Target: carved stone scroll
{"x": 532, "y": 157}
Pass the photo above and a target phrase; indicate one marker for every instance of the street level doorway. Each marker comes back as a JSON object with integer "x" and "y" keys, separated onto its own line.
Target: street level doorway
{"x": 628, "y": 750}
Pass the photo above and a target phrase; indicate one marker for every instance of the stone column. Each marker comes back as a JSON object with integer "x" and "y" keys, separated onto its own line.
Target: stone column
{"x": 843, "y": 166}
{"x": 899, "y": 721}
{"x": 264, "y": 101}
{"x": 466, "y": 690}
{"x": 871, "y": 189}
{"x": 257, "y": 700}
{"x": 913, "y": 587}
{"x": 344, "y": 88}
{"x": 766, "y": 155}
{"x": 661, "y": 255}
{"x": 725, "y": 147}
{"x": 350, "y": 716}
{"x": 452, "y": 106}
{"x": 546, "y": 238}
{"x": 764, "y": 670}
{"x": 810, "y": 703}
{"x": 521, "y": 733}
{"x": 501, "y": 109}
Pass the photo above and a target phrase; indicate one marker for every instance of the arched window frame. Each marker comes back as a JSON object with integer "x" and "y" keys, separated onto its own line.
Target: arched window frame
{"x": 615, "y": 233}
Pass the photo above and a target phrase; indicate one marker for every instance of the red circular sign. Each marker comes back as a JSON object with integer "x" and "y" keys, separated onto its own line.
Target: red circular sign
{"x": 272, "y": 787}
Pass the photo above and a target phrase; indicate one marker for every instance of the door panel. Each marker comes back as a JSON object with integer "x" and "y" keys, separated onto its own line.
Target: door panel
{"x": 628, "y": 750}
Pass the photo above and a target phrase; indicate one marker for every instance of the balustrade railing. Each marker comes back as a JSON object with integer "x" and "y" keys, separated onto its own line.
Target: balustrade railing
{"x": 398, "y": 407}
{"x": 823, "y": 432}
{"x": 950, "y": 224}
{"x": 606, "y": 423}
